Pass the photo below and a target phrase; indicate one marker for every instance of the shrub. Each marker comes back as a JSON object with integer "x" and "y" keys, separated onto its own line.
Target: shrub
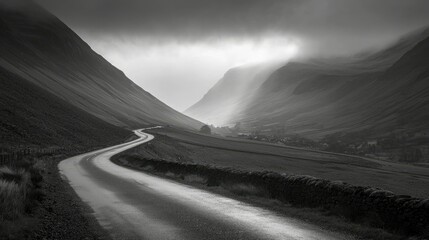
{"x": 206, "y": 129}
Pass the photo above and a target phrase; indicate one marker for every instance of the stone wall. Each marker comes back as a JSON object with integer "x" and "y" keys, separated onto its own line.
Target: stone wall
{"x": 399, "y": 214}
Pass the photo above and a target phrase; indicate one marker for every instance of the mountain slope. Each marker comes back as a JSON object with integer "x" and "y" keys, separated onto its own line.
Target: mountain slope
{"x": 38, "y": 47}
{"x": 404, "y": 90}
{"x": 230, "y": 94}
{"x": 283, "y": 96}
{"x": 319, "y": 98}
{"x": 31, "y": 116}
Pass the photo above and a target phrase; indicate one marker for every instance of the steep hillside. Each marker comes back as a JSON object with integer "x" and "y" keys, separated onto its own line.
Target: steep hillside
{"x": 31, "y": 116}
{"x": 384, "y": 90}
{"x": 38, "y": 47}
{"x": 230, "y": 94}
{"x": 285, "y": 96}
{"x": 403, "y": 96}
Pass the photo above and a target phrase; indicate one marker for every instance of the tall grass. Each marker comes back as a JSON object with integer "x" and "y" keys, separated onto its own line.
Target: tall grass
{"x": 14, "y": 187}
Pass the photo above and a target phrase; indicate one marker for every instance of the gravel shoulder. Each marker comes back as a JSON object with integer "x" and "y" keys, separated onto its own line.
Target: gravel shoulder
{"x": 62, "y": 214}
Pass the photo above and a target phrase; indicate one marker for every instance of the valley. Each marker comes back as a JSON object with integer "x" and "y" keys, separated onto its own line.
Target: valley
{"x": 188, "y": 147}
{"x": 340, "y": 104}
{"x": 310, "y": 134}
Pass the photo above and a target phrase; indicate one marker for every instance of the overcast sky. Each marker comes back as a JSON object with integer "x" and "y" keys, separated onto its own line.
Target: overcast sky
{"x": 177, "y": 49}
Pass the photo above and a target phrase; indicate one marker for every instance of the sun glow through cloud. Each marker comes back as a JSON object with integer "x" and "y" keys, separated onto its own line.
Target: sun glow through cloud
{"x": 190, "y": 68}
{"x": 243, "y": 52}
{"x": 178, "y": 49}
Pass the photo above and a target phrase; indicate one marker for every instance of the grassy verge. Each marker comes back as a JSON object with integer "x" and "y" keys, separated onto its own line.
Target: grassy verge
{"x": 31, "y": 188}
{"x": 19, "y": 191}
{"x": 20, "y": 194}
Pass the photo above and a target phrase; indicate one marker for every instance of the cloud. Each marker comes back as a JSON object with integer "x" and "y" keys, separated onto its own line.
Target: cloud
{"x": 186, "y": 19}
{"x": 177, "y": 49}
{"x": 193, "y": 20}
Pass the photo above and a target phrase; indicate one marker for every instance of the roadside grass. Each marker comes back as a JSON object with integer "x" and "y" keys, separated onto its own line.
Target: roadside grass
{"x": 21, "y": 195}
{"x": 23, "y": 186}
{"x": 12, "y": 198}
{"x": 19, "y": 192}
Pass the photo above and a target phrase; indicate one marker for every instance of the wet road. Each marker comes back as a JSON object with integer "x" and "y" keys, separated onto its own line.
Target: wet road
{"x": 135, "y": 205}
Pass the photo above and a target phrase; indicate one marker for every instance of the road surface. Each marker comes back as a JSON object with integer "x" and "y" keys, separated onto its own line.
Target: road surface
{"x": 135, "y": 205}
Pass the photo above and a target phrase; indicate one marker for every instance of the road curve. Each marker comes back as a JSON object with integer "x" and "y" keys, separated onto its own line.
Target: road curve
{"x": 135, "y": 205}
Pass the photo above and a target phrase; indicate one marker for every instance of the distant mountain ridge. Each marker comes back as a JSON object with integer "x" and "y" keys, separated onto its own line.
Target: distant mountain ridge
{"x": 230, "y": 93}
{"x": 38, "y": 47}
{"x": 318, "y": 100}
{"x": 373, "y": 91}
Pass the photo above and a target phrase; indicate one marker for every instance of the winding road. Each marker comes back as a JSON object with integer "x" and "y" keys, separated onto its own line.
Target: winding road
{"x": 135, "y": 205}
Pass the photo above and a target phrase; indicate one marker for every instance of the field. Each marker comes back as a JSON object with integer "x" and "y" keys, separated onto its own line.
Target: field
{"x": 183, "y": 146}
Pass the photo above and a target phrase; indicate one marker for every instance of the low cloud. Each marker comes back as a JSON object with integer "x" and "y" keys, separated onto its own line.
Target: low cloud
{"x": 330, "y": 25}
{"x": 177, "y": 49}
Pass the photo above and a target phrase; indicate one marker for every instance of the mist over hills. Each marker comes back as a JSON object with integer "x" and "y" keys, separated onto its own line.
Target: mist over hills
{"x": 318, "y": 99}
{"x": 373, "y": 92}
{"x": 323, "y": 148}
{"x": 38, "y": 47}
{"x": 231, "y": 93}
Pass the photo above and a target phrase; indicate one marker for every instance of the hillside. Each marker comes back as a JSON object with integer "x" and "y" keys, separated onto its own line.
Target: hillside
{"x": 269, "y": 96}
{"x": 31, "y": 116}
{"x": 230, "y": 94}
{"x": 39, "y": 48}
{"x": 371, "y": 93}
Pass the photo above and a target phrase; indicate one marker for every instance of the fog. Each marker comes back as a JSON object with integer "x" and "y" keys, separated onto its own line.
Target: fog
{"x": 180, "y": 74}
{"x": 178, "y": 49}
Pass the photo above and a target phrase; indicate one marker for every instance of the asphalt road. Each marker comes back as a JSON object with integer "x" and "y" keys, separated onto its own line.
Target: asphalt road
{"x": 135, "y": 205}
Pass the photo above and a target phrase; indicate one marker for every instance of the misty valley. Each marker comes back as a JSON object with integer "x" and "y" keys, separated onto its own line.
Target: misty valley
{"x": 214, "y": 119}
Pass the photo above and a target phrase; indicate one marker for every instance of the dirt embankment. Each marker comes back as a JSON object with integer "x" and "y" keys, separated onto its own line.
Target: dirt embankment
{"x": 399, "y": 214}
